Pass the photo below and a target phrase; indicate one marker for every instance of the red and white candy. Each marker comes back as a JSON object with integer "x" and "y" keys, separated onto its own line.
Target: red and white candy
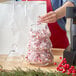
{"x": 39, "y": 44}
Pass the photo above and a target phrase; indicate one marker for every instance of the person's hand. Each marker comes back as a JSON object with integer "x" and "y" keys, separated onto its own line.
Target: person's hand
{"x": 50, "y": 17}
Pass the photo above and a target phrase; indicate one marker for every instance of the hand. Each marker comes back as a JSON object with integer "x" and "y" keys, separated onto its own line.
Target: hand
{"x": 50, "y": 17}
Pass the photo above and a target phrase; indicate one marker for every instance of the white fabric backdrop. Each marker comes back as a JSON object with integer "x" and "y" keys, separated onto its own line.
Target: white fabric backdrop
{"x": 14, "y": 24}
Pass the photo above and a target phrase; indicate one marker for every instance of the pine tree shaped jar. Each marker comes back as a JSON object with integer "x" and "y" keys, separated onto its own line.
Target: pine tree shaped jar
{"x": 39, "y": 46}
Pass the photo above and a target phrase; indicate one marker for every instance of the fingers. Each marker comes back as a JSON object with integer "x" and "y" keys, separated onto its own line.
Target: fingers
{"x": 48, "y": 18}
{"x": 49, "y": 21}
{"x": 46, "y": 15}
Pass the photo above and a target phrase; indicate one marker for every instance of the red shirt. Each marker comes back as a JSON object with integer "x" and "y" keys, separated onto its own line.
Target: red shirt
{"x": 58, "y": 35}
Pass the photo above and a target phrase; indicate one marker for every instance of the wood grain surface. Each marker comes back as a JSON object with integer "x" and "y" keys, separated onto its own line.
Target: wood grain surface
{"x": 15, "y": 62}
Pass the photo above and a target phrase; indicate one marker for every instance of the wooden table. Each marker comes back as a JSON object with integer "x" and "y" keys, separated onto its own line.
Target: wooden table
{"x": 17, "y": 62}
{"x": 4, "y": 0}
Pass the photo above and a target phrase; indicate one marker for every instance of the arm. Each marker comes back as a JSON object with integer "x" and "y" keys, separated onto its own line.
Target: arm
{"x": 61, "y": 12}
{"x": 53, "y": 16}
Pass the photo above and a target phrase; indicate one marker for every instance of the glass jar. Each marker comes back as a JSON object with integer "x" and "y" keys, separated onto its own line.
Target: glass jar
{"x": 39, "y": 46}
